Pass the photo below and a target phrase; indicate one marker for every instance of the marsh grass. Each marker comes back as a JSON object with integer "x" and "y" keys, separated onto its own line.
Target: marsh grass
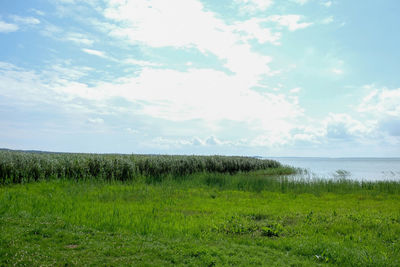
{"x": 22, "y": 167}
{"x": 277, "y": 180}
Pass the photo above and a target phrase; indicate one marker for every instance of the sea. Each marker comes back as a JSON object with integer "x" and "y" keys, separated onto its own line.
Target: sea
{"x": 366, "y": 169}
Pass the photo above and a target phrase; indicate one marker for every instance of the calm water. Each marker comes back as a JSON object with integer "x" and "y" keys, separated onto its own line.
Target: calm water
{"x": 352, "y": 168}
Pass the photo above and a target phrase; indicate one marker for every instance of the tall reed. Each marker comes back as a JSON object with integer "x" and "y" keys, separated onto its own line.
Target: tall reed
{"x": 18, "y": 167}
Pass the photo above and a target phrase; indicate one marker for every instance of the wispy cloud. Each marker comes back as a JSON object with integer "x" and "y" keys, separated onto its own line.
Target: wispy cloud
{"x": 382, "y": 101}
{"x": 37, "y": 12}
{"x": 164, "y": 94}
{"x": 291, "y": 21}
{"x": 295, "y": 90}
{"x": 50, "y": 30}
{"x": 78, "y": 38}
{"x": 58, "y": 33}
{"x": 253, "y": 6}
{"x": 8, "y": 27}
{"x": 301, "y": 2}
{"x": 94, "y": 52}
{"x": 95, "y": 121}
{"x": 252, "y": 29}
{"x": 327, "y": 20}
{"x": 343, "y": 126}
{"x": 337, "y": 71}
{"x": 149, "y": 22}
{"x": 18, "y": 23}
{"x": 25, "y": 20}
{"x": 142, "y": 63}
{"x": 327, "y": 3}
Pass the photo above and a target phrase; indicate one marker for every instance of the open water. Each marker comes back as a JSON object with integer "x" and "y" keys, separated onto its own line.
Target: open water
{"x": 351, "y": 168}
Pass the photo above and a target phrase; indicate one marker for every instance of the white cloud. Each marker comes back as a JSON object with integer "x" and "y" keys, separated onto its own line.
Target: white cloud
{"x": 336, "y": 127}
{"x": 78, "y": 38}
{"x": 168, "y": 143}
{"x": 26, "y": 86}
{"x": 95, "y": 121}
{"x": 197, "y": 94}
{"x": 270, "y": 119}
{"x": 51, "y": 30}
{"x": 290, "y": 21}
{"x": 57, "y": 33}
{"x": 208, "y": 142}
{"x": 304, "y": 137}
{"x": 271, "y": 139}
{"x": 301, "y": 2}
{"x": 20, "y": 84}
{"x": 197, "y": 141}
{"x": 343, "y": 126}
{"x": 327, "y": 3}
{"x": 337, "y": 71}
{"x": 25, "y": 20}
{"x": 38, "y": 12}
{"x": 327, "y": 20}
{"x": 382, "y": 102}
{"x": 212, "y": 141}
{"x": 66, "y": 1}
{"x": 251, "y": 29}
{"x": 380, "y": 119}
{"x": 5, "y": 66}
{"x": 7, "y": 27}
{"x": 94, "y": 52}
{"x": 252, "y": 6}
{"x": 65, "y": 72}
{"x": 158, "y": 23}
{"x": 142, "y": 63}
{"x": 295, "y": 90}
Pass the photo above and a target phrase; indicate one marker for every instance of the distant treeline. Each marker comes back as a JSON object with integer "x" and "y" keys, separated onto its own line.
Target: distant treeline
{"x": 18, "y": 167}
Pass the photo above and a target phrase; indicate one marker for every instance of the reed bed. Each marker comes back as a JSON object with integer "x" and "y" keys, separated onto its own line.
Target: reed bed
{"x": 22, "y": 167}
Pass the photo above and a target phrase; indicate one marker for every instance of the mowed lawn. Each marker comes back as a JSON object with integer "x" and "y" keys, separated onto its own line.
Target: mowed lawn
{"x": 181, "y": 222}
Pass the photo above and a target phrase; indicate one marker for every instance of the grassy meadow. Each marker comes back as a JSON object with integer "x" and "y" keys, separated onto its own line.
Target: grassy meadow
{"x": 113, "y": 210}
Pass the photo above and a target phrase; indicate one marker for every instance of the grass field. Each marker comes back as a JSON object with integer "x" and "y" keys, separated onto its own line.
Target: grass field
{"x": 200, "y": 219}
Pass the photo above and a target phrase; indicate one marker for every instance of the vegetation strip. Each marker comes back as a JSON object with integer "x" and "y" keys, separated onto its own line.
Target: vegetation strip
{"x": 18, "y": 167}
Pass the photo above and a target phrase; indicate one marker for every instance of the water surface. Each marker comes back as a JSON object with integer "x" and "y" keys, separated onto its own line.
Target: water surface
{"x": 352, "y": 168}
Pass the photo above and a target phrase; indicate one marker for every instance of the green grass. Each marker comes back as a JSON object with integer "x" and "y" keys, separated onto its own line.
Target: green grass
{"x": 202, "y": 219}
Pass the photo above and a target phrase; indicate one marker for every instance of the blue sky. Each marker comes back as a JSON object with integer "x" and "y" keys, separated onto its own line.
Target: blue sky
{"x": 242, "y": 77}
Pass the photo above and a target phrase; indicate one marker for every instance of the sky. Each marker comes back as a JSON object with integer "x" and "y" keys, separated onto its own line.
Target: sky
{"x": 315, "y": 78}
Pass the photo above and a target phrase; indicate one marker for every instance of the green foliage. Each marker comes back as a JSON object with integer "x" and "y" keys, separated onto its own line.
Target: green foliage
{"x": 267, "y": 231}
{"x": 22, "y": 167}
